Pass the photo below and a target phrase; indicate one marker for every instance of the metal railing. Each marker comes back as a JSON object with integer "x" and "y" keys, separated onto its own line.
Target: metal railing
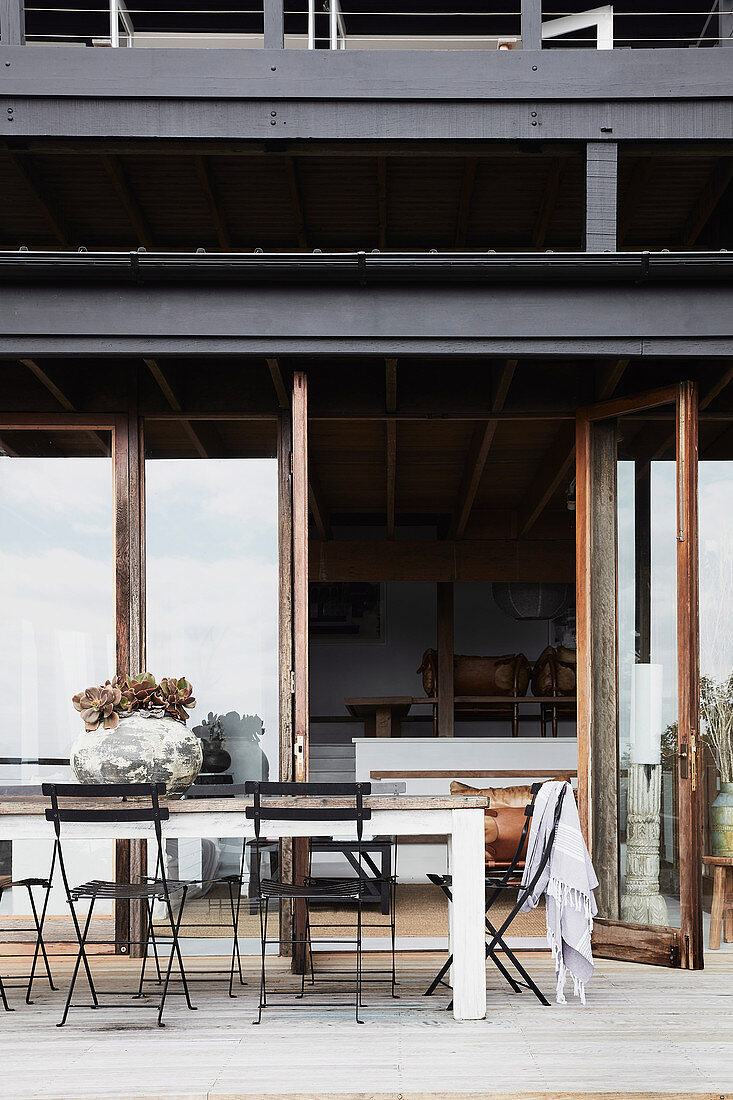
{"x": 363, "y": 24}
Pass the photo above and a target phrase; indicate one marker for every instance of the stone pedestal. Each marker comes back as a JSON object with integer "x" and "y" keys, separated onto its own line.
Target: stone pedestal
{"x": 641, "y": 902}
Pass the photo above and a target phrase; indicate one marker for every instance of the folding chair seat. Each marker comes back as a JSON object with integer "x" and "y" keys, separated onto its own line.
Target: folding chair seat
{"x": 109, "y": 803}
{"x": 311, "y": 889}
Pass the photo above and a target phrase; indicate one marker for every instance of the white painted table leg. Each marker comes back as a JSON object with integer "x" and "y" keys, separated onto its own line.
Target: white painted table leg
{"x": 467, "y": 915}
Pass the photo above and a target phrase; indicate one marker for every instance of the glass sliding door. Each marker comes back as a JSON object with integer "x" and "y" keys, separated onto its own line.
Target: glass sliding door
{"x": 211, "y": 521}
{"x": 637, "y": 660}
{"x": 57, "y": 631}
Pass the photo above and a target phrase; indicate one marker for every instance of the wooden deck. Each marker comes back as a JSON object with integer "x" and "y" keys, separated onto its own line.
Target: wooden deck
{"x": 644, "y": 1032}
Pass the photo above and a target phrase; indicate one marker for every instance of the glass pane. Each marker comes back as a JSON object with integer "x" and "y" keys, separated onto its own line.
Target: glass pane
{"x": 647, "y": 656}
{"x": 212, "y": 616}
{"x": 57, "y": 633}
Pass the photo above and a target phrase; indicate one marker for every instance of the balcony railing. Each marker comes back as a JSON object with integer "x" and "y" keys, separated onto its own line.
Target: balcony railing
{"x": 364, "y": 24}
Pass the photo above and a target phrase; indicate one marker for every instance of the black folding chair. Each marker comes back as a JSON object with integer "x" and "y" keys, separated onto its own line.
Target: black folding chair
{"x": 335, "y": 890}
{"x": 103, "y": 806}
{"x": 233, "y": 883}
{"x": 507, "y": 877}
{"x": 26, "y": 982}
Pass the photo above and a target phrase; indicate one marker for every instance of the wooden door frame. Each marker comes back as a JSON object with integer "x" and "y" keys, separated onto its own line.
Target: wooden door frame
{"x": 666, "y": 946}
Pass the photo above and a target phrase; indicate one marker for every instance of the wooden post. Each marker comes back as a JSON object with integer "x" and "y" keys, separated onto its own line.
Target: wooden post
{"x": 12, "y": 22}
{"x": 274, "y": 25}
{"x": 300, "y": 638}
{"x": 688, "y": 679}
{"x": 601, "y": 192}
{"x": 531, "y": 24}
{"x": 446, "y": 705}
{"x": 285, "y": 616}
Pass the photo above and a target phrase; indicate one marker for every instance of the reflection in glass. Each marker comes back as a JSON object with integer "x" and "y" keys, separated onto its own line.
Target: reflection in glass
{"x": 57, "y": 592}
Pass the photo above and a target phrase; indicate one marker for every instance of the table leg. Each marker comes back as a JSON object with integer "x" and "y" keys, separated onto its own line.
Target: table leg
{"x": 716, "y": 910}
{"x": 728, "y": 906}
{"x": 467, "y": 868}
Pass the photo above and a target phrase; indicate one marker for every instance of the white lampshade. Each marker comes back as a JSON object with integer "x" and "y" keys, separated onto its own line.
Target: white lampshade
{"x": 646, "y": 714}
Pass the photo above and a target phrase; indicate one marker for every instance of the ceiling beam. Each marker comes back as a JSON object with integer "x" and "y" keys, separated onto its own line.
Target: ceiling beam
{"x": 97, "y": 439}
{"x": 194, "y": 434}
{"x": 554, "y": 469}
{"x": 118, "y": 176}
{"x": 281, "y": 391}
{"x": 25, "y": 169}
{"x": 390, "y": 385}
{"x": 464, "y": 202}
{"x": 209, "y": 190}
{"x": 549, "y": 202}
{"x": 295, "y": 199}
{"x": 707, "y": 201}
{"x": 609, "y": 378}
{"x": 478, "y": 452}
{"x": 633, "y": 195}
{"x": 382, "y": 200}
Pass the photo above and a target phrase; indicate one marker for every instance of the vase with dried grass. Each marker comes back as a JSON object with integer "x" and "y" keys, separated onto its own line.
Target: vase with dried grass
{"x": 716, "y": 713}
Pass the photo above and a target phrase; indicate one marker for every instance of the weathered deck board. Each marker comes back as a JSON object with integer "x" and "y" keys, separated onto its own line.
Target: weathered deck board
{"x": 646, "y": 1032}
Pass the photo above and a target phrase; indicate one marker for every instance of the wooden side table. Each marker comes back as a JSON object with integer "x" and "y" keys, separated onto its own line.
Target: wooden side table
{"x": 721, "y": 913}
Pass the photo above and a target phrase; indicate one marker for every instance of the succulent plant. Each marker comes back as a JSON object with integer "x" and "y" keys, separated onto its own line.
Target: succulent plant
{"x": 176, "y": 696}
{"x": 141, "y": 692}
{"x": 99, "y": 705}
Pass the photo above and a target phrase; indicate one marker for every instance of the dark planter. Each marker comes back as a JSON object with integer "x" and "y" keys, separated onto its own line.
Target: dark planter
{"x": 216, "y": 758}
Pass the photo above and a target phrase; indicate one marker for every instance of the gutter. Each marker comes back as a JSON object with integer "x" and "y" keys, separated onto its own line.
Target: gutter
{"x": 364, "y": 268}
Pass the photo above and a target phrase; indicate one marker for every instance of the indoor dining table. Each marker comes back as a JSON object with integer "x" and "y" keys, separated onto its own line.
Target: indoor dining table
{"x": 460, "y": 818}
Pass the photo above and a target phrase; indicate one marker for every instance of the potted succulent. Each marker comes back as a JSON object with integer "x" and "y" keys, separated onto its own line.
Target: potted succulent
{"x": 135, "y": 732}
{"x": 213, "y": 739}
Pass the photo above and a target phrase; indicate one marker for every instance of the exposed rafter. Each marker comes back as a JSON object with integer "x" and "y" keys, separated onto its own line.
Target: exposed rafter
{"x": 483, "y": 437}
{"x": 283, "y": 398}
{"x": 382, "y": 200}
{"x": 553, "y": 471}
{"x": 297, "y": 204}
{"x": 464, "y": 203}
{"x": 209, "y": 190}
{"x": 707, "y": 201}
{"x": 194, "y": 434}
{"x": 121, "y": 184}
{"x": 610, "y": 377}
{"x": 25, "y": 169}
{"x": 64, "y": 400}
{"x": 633, "y": 195}
{"x": 549, "y": 202}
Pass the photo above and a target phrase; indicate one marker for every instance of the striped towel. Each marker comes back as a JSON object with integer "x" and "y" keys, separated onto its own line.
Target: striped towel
{"x": 568, "y": 881}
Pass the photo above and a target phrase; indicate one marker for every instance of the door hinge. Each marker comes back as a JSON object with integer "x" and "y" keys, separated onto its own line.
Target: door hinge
{"x": 674, "y": 955}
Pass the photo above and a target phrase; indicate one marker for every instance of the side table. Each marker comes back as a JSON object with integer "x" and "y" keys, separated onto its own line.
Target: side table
{"x": 721, "y": 913}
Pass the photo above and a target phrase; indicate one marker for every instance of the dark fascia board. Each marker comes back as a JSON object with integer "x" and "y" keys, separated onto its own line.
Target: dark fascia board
{"x": 526, "y": 75}
{"x": 363, "y": 268}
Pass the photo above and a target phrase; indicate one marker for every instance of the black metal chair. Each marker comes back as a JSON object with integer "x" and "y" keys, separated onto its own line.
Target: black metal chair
{"x": 498, "y": 879}
{"x": 335, "y": 890}
{"x": 26, "y": 982}
{"x": 109, "y": 803}
{"x": 232, "y": 882}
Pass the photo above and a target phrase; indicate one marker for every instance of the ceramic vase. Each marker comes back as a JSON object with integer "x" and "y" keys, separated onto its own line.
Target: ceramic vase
{"x": 721, "y": 822}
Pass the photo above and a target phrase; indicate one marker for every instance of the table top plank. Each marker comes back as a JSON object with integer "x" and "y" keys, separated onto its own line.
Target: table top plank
{"x": 37, "y": 804}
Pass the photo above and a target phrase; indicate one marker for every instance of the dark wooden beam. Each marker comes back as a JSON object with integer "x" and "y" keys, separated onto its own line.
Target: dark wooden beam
{"x": 446, "y": 648}
{"x": 12, "y": 22}
{"x": 549, "y": 202}
{"x": 469, "y": 560}
{"x": 382, "y": 200}
{"x": 194, "y": 434}
{"x": 554, "y": 469}
{"x": 390, "y": 385}
{"x": 278, "y": 382}
{"x": 208, "y": 188}
{"x": 633, "y": 195}
{"x": 295, "y": 199}
{"x": 317, "y": 507}
{"x": 478, "y": 452}
{"x": 391, "y": 437}
{"x": 601, "y": 191}
{"x": 121, "y": 184}
{"x": 48, "y": 207}
{"x": 531, "y": 11}
{"x": 464, "y": 201}
{"x": 609, "y": 378}
{"x": 99, "y": 441}
{"x": 707, "y": 201}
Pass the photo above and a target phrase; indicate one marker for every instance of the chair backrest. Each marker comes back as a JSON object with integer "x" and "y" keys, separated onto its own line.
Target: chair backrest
{"x": 352, "y": 811}
{"x": 110, "y": 803}
{"x": 550, "y": 836}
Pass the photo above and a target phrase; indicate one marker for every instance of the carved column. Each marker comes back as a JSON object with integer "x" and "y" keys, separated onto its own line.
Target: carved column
{"x": 641, "y": 902}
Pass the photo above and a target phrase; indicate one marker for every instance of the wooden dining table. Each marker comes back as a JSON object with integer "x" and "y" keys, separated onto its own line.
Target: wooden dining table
{"x": 459, "y": 817}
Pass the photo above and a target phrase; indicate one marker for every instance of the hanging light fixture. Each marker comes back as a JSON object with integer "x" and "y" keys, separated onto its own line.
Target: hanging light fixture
{"x": 533, "y": 600}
